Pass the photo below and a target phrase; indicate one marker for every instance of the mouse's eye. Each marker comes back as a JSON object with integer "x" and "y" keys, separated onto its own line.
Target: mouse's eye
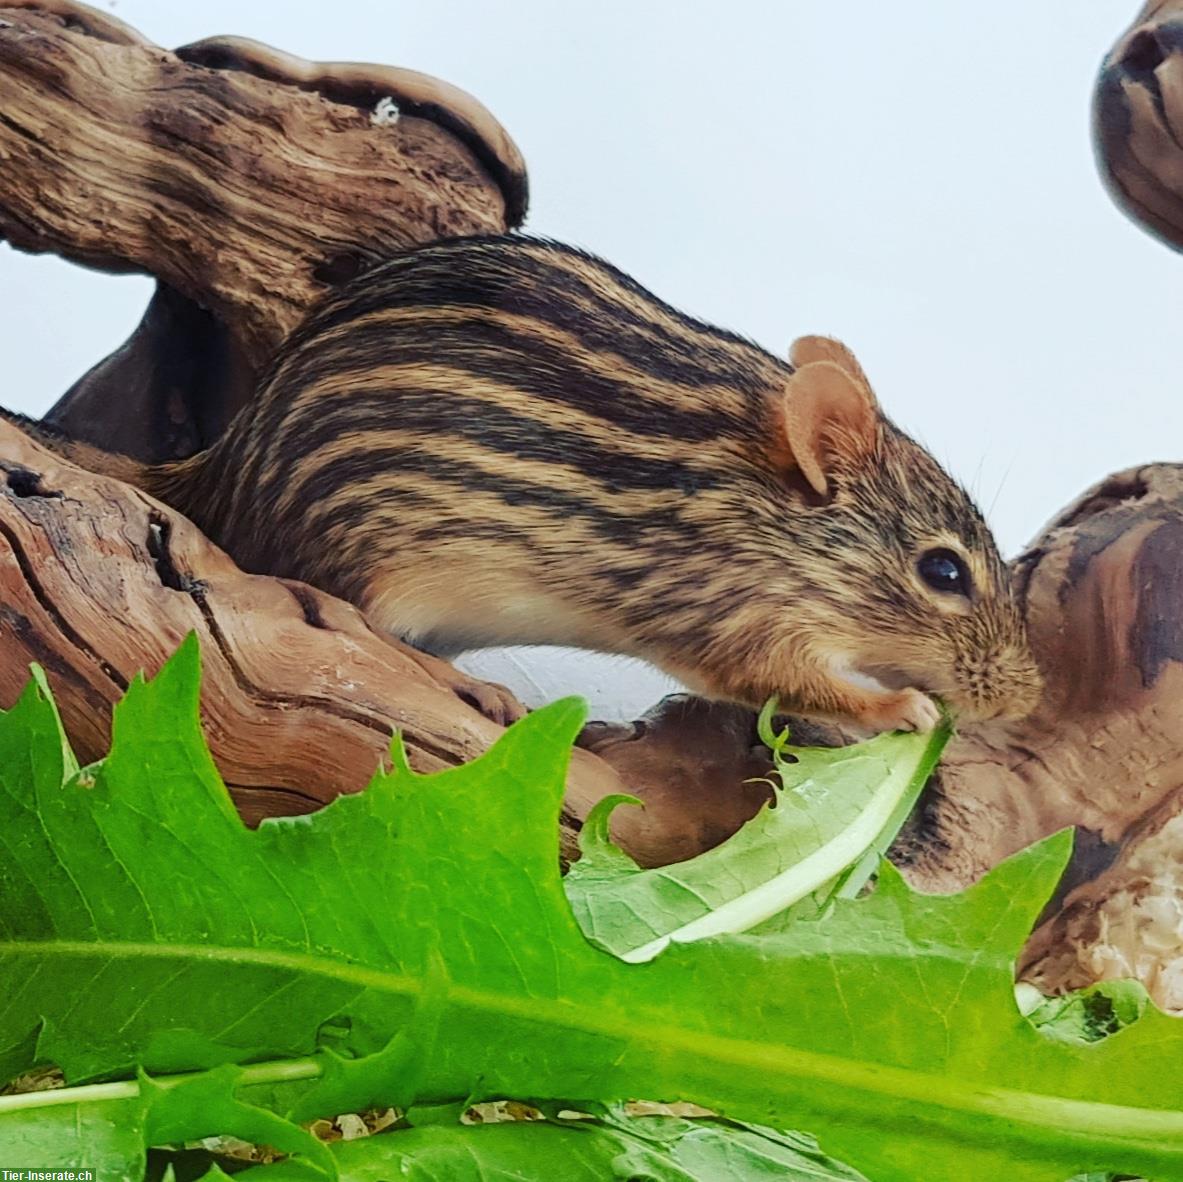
{"x": 945, "y": 570}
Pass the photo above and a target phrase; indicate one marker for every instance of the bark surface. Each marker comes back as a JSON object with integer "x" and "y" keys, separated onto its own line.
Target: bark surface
{"x": 1138, "y": 120}
{"x": 245, "y": 180}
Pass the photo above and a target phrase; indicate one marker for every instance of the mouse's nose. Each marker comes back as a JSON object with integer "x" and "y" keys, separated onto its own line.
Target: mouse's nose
{"x": 1138, "y": 120}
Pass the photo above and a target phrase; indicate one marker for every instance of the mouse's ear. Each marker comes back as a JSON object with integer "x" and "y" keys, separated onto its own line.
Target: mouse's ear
{"x": 827, "y": 413}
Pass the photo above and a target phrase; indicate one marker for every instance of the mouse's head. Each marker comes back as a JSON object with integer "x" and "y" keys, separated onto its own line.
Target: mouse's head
{"x": 913, "y": 570}
{"x": 872, "y": 563}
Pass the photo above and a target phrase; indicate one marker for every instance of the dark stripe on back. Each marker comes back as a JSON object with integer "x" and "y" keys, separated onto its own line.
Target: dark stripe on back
{"x": 514, "y": 275}
{"x": 515, "y": 360}
{"x": 428, "y": 523}
{"x": 333, "y": 480}
{"x": 492, "y": 427}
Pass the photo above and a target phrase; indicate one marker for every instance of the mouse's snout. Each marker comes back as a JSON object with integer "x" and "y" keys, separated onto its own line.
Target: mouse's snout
{"x": 1005, "y": 684}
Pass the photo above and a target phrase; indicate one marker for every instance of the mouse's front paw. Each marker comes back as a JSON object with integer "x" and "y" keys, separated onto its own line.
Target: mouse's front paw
{"x": 494, "y": 701}
{"x": 906, "y": 710}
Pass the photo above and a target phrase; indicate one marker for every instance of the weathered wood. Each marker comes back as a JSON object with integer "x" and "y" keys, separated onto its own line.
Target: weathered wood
{"x": 700, "y": 769}
{"x": 1126, "y": 922}
{"x": 176, "y": 382}
{"x": 246, "y": 180}
{"x": 1138, "y": 120}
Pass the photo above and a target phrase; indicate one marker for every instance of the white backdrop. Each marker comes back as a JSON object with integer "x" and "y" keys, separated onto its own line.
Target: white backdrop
{"x": 914, "y": 177}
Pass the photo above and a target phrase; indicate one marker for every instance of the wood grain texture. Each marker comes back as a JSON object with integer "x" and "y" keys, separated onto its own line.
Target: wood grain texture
{"x": 1138, "y": 120}
{"x": 245, "y": 180}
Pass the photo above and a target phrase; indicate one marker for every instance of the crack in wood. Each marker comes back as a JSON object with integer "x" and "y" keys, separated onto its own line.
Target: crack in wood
{"x": 51, "y": 610}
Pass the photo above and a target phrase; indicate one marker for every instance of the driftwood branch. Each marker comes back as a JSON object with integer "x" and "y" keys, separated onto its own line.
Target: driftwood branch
{"x": 219, "y": 169}
{"x": 1138, "y": 120}
{"x": 246, "y": 181}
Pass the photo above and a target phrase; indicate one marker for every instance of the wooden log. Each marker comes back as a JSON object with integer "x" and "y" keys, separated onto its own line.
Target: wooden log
{"x": 1126, "y": 922}
{"x": 247, "y": 181}
{"x": 1138, "y": 120}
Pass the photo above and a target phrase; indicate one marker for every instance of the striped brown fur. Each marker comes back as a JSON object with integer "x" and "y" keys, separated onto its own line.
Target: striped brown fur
{"x": 505, "y": 440}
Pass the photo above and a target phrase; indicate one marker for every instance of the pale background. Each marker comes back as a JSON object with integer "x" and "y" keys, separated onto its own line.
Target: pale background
{"x": 914, "y": 177}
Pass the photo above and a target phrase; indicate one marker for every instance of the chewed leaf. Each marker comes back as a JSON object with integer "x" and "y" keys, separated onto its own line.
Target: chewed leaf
{"x": 1088, "y": 1015}
{"x": 114, "y": 1125}
{"x": 599, "y": 855}
{"x": 832, "y": 808}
